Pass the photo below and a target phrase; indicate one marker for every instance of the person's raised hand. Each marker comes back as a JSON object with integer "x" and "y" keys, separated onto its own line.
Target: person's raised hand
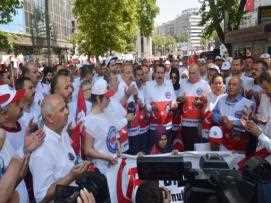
{"x": 85, "y": 197}
{"x": 131, "y": 91}
{"x": 77, "y": 170}
{"x": 33, "y": 140}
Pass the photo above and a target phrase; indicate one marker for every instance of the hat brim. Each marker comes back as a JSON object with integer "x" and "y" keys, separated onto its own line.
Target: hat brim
{"x": 19, "y": 95}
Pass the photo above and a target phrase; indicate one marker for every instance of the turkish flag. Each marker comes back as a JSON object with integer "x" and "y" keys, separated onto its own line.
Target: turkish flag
{"x": 78, "y": 132}
{"x": 249, "y": 7}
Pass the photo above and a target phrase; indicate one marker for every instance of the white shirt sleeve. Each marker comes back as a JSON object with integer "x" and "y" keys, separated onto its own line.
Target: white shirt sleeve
{"x": 43, "y": 176}
{"x": 147, "y": 97}
{"x": 265, "y": 141}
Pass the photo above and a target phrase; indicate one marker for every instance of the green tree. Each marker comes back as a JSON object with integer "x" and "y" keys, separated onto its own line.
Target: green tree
{"x": 37, "y": 29}
{"x": 215, "y": 12}
{"x": 105, "y": 25}
{"x": 8, "y": 10}
{"x": 147, "y": 11}
{"x": 182, "y": 37}
{"x": 163, "y": 43}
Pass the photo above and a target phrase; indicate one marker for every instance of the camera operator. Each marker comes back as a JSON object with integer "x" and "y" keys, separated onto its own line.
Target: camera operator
{"x": 54, "y": 162}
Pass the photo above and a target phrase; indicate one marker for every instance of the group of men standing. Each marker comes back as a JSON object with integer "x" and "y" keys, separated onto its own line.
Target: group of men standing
{"x": 63, "y": 119}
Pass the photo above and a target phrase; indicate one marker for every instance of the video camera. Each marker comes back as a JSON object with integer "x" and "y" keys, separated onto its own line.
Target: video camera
{"x": 214, "y": 182}
{"x": 94, "y": 181}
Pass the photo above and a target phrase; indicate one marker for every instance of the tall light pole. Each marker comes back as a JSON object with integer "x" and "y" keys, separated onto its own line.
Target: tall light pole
{"x": 48, "y": 32}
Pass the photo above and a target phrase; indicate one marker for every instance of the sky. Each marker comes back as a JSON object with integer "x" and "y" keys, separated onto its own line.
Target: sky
{"x": 169, "y": 9}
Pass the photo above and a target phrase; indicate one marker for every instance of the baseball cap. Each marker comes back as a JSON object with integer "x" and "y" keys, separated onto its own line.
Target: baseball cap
{"x": 226, "y": 65}
{"x": 215, "y": 135}
{"x": 167, "y": 62}
{"x": 100, "y": 88}
{"x": 9, "y": 95}
{"x": 213, "y": 66}
{"x": 265, "y": 56}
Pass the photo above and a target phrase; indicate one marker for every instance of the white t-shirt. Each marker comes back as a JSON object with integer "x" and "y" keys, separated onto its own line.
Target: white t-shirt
{"x": 16, "y": 138}
{"x": 212, "y": 100}
{"x": 104, "y": 133}
{"x": 6, "y": 153}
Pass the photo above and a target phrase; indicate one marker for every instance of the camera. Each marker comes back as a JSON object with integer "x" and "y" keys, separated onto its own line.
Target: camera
{"x": 95, "y": 182}
{"x": 214, "y": 182}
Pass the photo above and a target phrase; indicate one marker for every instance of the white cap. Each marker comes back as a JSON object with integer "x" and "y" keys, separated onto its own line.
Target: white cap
{"x": 9, "y": 95}
{"x": 265, "y": 56}
{"x": 167, "y": 62}
{"x": 215, "y": 133}
{"x": 226, "y": 65}
{"x": 99, "y": 87}
{"x": 213, "y": 66}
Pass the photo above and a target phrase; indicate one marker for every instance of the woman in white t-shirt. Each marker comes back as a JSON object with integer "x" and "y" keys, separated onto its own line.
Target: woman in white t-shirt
{"x": 101, "y": 134}
{"x": 217, "y": 91}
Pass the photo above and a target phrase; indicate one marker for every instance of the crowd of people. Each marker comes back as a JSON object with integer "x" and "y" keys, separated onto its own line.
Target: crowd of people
{"x": 56, "y": 122}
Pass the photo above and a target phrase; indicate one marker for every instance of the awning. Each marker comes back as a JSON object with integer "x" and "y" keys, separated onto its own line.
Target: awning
{"x": 250, "y": 34}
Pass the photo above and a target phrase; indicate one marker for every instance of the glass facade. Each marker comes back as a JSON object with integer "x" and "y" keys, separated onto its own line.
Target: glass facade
{"x": 60, "y": 12}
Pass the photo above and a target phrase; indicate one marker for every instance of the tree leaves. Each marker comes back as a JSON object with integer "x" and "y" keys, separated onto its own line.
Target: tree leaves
{"x": 8, "y": 9}
{"x": 213, "y": 16}
{"x": 105, "y": 25}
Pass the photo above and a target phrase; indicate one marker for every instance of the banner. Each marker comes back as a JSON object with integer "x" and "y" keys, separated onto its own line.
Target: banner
{"x": 123, "y": 178}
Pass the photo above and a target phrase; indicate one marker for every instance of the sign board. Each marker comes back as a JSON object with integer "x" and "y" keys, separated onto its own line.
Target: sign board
{"x": 264, "y": 15}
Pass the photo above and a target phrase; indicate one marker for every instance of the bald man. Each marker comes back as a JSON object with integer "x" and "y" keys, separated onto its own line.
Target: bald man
{"x": 193, "y": 94}
{"x": 228, "y": 113}
{"x": 54, "y": 162}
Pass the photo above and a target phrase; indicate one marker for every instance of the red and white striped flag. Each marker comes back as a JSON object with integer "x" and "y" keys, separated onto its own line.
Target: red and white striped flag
{"x": 78, "y": 132}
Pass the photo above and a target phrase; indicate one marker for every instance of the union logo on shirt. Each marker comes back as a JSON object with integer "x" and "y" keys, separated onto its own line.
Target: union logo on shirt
{"x": 168, "y": 95}
{"x": 111, "y": 140}
{"x": 199, "y": 91}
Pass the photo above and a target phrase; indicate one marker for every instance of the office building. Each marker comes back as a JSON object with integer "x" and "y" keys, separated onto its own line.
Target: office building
{"x": 29, "y": 27}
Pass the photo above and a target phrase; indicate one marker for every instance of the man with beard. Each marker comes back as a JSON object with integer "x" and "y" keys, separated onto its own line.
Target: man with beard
{"x": 128, "y": 95}
{"x": 255, "y": 92}
{"x": 193, "y": 96}
{"x": 62, "y": 86}
{"x": 141, "y": 114}
{"x": 249, "y": 60}
{"x": 160, "y": 100}
{"x": 30, "y": 112}
{"x": 30, "y": 70}
{"x": 237, "y": 70}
